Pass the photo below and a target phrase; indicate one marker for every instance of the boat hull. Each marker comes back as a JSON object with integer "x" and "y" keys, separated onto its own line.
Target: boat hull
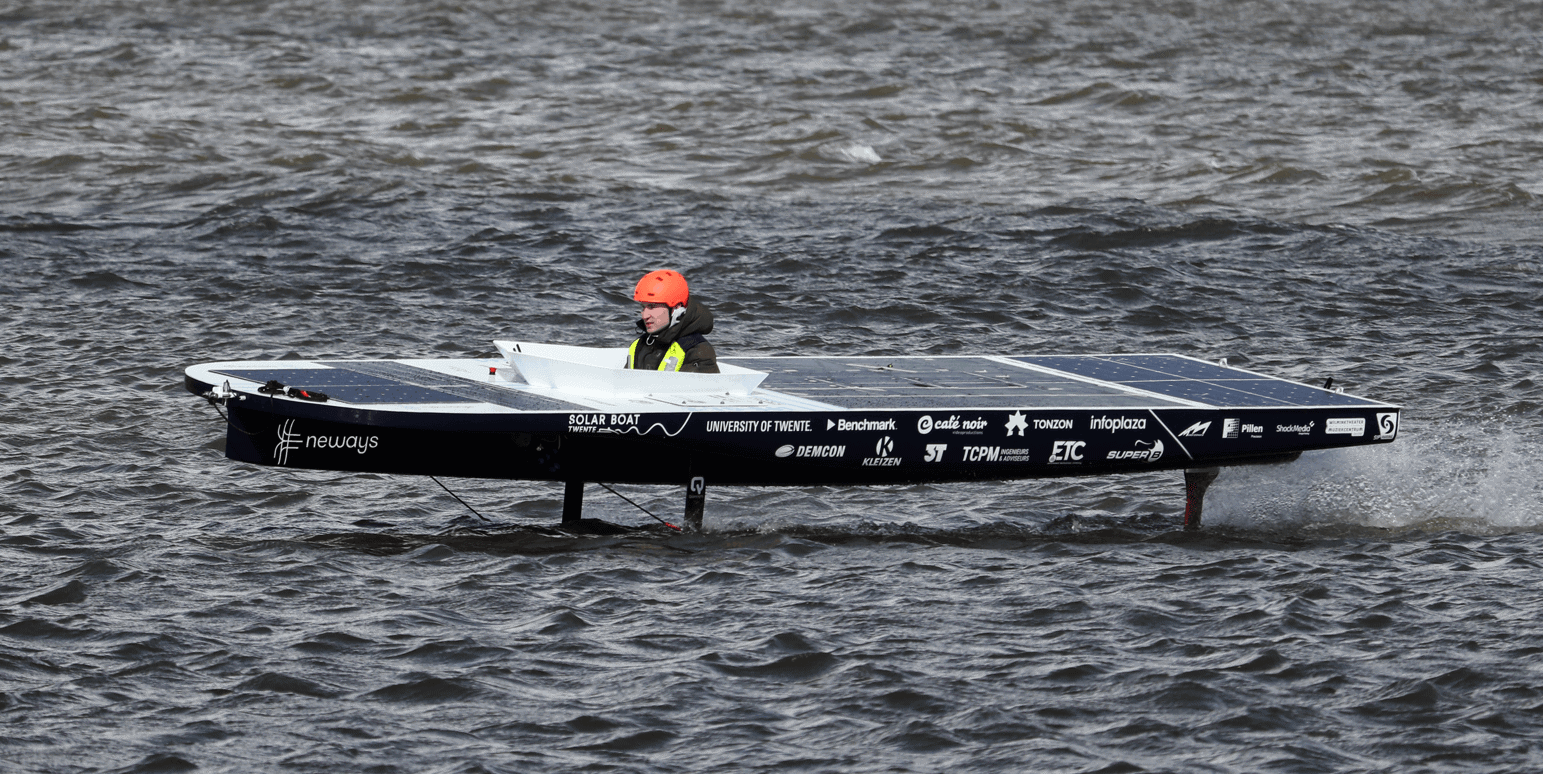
{"x": 905, "y": 428}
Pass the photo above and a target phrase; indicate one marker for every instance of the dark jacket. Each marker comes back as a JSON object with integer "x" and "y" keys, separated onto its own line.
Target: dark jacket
{"x": 690, "y": 331}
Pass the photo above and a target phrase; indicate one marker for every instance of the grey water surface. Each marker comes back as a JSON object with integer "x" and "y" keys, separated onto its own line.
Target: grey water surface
{"x": 1309, "y": 189}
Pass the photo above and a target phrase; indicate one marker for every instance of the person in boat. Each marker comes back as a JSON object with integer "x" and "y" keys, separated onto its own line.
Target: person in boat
{"x": 672, "y": 330}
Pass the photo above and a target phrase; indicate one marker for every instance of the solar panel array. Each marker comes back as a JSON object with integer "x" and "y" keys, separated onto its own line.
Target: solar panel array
{"x": 926, "y": 382}
{"x": 1196, "y": 380}
{"x": 346, "y": 385}
{"x": 364, "y": 382}
{"x": 920, "y": 382}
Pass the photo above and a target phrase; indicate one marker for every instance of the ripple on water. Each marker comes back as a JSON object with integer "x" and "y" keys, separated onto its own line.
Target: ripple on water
{"x": 395, "y": 180}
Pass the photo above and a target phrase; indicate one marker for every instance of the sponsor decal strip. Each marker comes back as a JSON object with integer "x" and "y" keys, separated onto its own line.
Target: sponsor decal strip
{"x": 1355, "y": 426}
{"x": 789, "y": 450}
{"x": 289, "y": 440}
{"x": 1171, "y": 434}
{"x": 954, "y": 424}
{"x": 884, "y": 448}
{"x": 1067, "y": 452}
{"x": 1145, "y": 451}
{"x": 1116, "y": 424}
{"x": 601, "y": 422}
{"x": 1387, "y": 426}
{"x": 849, "y": 425}
{"x": 759, "y": 425}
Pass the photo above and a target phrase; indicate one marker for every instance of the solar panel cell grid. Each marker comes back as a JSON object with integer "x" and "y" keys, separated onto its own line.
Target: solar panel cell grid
{"x": 348, "y": 386}
{"x": 1117, "y": 381}
{"x": 934, "y": 382}
{"x": 320, "y": 378}
{"x": 1199, "y": 381}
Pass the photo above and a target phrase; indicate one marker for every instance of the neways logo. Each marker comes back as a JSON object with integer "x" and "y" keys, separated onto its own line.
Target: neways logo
{"x": 289, "y": 440}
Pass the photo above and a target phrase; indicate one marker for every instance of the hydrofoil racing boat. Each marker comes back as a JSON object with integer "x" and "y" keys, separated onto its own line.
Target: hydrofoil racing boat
{"x": 550, "y": 412}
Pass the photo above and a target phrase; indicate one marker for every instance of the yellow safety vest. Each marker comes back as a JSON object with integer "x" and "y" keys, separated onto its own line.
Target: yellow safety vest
{"x": 673, "y": 357}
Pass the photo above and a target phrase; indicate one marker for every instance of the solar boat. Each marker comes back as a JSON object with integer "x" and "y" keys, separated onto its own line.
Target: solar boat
{"x": 550, "y": 412}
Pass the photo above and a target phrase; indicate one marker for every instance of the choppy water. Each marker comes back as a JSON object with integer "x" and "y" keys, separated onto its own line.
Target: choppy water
{"x": 1307, "y": 189}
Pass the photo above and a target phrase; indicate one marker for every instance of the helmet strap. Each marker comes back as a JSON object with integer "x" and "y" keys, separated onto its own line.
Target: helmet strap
{"x": 677, "y": 313}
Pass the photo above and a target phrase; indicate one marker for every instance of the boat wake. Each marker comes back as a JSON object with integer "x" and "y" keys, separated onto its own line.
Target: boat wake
{"x": 1448, "y": 476}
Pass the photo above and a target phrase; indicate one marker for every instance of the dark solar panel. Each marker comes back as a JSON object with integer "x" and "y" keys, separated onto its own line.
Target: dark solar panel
{"x": 319, "y": 378}
{"x": 1196, "y": 380}
{"x": 1093, "y": 368}
{"x": 347, "y": 385}
{"x": 873, "y": 383}
{"x": 367, "y": 382}
{"x": 923, "y": 382}
{"x": 1181, "y": 367}
{"x": 1232, "y": 394}
{"x": 459, "y": 388}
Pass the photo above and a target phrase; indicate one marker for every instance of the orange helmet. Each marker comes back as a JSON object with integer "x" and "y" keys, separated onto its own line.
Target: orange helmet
{"x": 662, "y": 287}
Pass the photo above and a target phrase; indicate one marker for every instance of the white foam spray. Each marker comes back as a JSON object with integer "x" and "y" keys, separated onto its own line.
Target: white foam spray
{"x": 1473, "y": 477}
